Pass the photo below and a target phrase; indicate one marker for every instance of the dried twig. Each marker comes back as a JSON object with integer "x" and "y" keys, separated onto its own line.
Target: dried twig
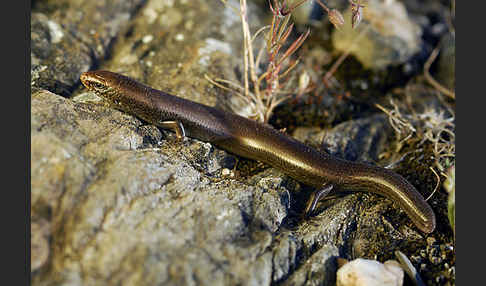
{"x": 398, "y": 122}
{"x": 431, "y": 80}
{"x": 436, "y": 186}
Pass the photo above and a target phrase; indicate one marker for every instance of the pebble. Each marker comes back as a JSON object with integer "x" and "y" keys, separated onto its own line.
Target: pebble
{"x": 363, "y": 272}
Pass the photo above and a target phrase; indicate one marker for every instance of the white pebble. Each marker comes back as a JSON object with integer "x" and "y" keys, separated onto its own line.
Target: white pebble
{"x": 179, "y": 37}
{"x": 55, "y": 31}
{"x": 365, "y": 272}
{"x": 147, "y": 39}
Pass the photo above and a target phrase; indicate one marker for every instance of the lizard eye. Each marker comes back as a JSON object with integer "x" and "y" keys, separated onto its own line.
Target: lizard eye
{"x": 98, "y": 85}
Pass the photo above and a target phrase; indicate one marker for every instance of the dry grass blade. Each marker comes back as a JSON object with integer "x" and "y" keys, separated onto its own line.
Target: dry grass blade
{"x": 232, "y": 90}
{"x": 436, "y": 186}
{"x": 283, "y": 30}
{"x": 258, "y": 32}
{"x": 323, "y": 5}
{"x": 431, "y": 80}
{"x": 289, "y": 69}
{"x": 399, "y": 124}
{"x": 295, "y": 45}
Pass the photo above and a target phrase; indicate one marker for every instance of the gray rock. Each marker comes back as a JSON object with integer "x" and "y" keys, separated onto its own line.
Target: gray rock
{"x": 389, "y": 38}
{"x": 66, "y": 40}
{"x": 362, "y": 139}
{"x": 447, "y": 61}
{"x": 116, "y": 201}
{"x": 172, "y": 45}
{"x": 39, "y": 244}
{"x": 316, "y": 269}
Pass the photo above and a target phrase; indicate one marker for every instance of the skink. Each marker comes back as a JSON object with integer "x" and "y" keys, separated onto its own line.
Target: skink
{"x": 250, "y": 139}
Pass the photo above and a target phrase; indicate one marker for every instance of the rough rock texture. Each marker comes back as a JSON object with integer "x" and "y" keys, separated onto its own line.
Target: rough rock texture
{"x": 69, "y": 36}
{"x": 113, "y": 202}
{"x": 118, "y": 195}
{"x": 116, "y": 201}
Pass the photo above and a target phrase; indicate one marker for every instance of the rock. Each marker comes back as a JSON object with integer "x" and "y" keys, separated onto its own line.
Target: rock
{"x": 67, "y": 39}
{"x": 447, "y": 62}
{"x": 284, "y": 255}
{"x": 364, "y": 272}
{"x": 319, "y": 269}
{"x": 362, "y": 139}
{"x": 308, "y": 12}
{"x": 355, "y": 220}
{"x": 391, "y": 39}
{"x": 99, "y": 177}
{"x": 39, "y": 243}
{"x": 116, "y": 202}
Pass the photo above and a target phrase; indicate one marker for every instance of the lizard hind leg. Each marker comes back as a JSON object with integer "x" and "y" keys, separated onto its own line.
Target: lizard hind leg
{"x": 316, "y": 197}
{"x": 176, "y": 126}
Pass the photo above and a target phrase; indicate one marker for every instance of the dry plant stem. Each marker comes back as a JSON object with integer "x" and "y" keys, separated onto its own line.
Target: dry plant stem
{"x": 452, "y": 16}
{"x": 258, "y": 32}
{"x": 259, "y": 57}
{"x": 323, "y": 6}
{"x": 268, "y": 89}
{"x": 215, "y": 82}
{"x": 340, "y": 60}
{"x": 235, "y": 89}
{"x": 431, "y": 80}
{"x": 248, "y": 41}
{"x": 397, "y": 123}
{"x": 295, "y": 45}
{"x": 280, "y": 30}
{"x": 235, "y": 85}
{"x": 286, "y": 72}
{"x": 249, "y": 60}
{"x": 436, "y": 186}
{"x": 244, "y": 25}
